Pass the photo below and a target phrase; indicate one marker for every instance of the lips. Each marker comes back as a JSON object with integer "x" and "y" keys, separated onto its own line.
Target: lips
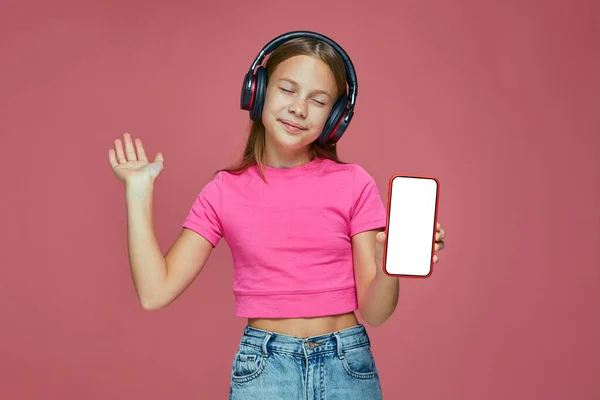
{"x": 292, "y": 124}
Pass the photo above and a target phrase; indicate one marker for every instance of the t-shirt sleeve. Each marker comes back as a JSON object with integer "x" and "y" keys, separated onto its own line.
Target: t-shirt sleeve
{"x": 368, "y": 211}
{"x": 204, "y": 216}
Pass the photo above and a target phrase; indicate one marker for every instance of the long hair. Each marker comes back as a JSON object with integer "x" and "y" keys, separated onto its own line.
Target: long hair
{"x": 255, "y": 145}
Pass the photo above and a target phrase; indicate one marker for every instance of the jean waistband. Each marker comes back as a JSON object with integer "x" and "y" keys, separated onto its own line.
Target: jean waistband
{"x": 348, "y": 338}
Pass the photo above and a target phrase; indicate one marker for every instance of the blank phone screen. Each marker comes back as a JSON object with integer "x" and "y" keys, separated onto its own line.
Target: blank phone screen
{"x": 411, "y": 226}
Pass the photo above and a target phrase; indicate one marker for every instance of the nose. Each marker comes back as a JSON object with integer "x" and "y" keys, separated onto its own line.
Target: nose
{"x": 298, "y": 107}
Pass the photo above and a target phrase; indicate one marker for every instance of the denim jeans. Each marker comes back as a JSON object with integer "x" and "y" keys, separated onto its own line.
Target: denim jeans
{"x": 334, "y": 366}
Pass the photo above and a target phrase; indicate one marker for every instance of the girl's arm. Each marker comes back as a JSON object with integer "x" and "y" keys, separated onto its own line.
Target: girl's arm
{"x": 377, "y": 293}
{"x": 159, "y": 280}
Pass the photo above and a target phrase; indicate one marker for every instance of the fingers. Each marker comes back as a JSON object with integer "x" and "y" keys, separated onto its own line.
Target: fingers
{"x": 440, "y": 235}
{"x": 439, "y": 241}
{"x": 131, "y": 153}
{"x": 159, "y": 158}
{"x": 112, "y": 158}
{"x": 129, "y": 150}
{"x": 139, "y": 146}
{"x": 119, "y": 151}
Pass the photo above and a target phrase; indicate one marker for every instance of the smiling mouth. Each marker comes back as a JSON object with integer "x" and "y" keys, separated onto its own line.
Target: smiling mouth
{"x": 291, "y": 127}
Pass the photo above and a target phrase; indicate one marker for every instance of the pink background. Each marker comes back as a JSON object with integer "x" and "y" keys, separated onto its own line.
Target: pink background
{"x": 498, "y": 100}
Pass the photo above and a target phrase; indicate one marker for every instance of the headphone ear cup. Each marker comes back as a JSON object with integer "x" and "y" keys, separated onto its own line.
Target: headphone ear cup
{"x": 259, "y": 93}
{"x": 333, "y": 129}
{"x": 247, "y": 92}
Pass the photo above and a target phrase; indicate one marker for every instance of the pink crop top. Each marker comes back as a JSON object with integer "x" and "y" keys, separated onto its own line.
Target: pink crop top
{"x": 290, "y": 238}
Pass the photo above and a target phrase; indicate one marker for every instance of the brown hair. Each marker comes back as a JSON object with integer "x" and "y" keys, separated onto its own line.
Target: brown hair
{"x": 255, "y": 146}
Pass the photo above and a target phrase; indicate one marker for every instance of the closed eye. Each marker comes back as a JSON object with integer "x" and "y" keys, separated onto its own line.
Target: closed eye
{"x": 319, "y": 102}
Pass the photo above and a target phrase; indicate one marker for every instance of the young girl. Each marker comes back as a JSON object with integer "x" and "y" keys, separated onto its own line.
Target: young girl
{"x": 304, "y": 230}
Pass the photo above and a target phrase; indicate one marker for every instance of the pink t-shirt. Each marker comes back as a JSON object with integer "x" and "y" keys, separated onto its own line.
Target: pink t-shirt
{"x": 290, "y": 238}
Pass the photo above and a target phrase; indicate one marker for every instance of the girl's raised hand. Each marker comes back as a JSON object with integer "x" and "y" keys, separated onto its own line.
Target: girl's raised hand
{"x": 132, "y": 164}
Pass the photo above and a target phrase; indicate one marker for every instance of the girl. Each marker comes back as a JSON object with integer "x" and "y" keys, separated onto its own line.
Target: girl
{"x": 304, "y": 230}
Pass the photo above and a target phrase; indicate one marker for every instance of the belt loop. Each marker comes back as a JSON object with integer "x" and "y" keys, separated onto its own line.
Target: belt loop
{"x": 264, "y": 344}
{"x": 340, "y": 350}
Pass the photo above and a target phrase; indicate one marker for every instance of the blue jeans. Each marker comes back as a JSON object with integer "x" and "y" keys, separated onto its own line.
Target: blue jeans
{"x": 334, "y": 366}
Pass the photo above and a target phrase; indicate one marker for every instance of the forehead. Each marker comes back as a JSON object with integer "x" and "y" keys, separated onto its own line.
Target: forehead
{"x": 307, "y": 71}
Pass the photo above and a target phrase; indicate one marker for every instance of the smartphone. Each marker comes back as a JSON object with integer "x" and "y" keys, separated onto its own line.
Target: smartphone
{"x": 411, "y": 221}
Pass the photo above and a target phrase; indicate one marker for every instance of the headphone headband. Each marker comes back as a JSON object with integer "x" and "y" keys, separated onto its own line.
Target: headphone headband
{"x": 350, "y": 72}
{"x": 255, "y": 86}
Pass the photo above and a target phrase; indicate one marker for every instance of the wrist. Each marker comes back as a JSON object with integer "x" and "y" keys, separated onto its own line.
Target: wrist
{"x": 139, "y": 182}
{"x": 380, "y": 275}
{"x": 139, "y": 187}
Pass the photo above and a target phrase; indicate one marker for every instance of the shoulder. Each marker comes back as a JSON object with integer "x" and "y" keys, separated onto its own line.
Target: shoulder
{"x": 352, "y": 170}
{"x": 362, "y": 176}
{"x": 212, "y": 185}
{"x": 352, "y": 174}
{"x": 359, "y": 175}
{"x": 225, "y": 177}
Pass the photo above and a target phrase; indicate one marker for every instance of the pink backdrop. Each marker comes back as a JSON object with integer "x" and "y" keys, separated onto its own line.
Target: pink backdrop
{"x": 499, "y": 100}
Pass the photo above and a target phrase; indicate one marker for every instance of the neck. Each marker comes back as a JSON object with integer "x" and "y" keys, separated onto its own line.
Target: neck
{"x": 286, "y": 159}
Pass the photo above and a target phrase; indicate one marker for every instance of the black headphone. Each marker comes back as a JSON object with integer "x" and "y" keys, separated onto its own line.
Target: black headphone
{"x": 255, "y": 86}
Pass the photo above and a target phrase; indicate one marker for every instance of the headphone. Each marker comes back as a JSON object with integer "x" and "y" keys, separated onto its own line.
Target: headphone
{"x": 255, "y": 86}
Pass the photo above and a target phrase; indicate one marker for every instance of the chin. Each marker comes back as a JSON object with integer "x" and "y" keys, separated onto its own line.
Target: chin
{"x": 277, "y": 132}
{"x": 291, "y": 142}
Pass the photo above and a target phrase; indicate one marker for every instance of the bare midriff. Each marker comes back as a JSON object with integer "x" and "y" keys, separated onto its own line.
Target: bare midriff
{"x": 305, "y": 327}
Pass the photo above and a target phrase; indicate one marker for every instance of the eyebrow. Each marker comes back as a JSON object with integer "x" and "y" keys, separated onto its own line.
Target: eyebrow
{"x": 293, "y": 82}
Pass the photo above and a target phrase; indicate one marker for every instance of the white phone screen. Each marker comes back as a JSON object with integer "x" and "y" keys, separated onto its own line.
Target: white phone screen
{"x": 412, "y": 213}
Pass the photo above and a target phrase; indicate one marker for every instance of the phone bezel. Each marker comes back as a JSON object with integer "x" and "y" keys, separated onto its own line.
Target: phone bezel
{"x": 389, "y": 204}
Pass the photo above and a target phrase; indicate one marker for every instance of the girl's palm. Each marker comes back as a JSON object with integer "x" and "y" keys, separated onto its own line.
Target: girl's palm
{"x": 132, "y": 163}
